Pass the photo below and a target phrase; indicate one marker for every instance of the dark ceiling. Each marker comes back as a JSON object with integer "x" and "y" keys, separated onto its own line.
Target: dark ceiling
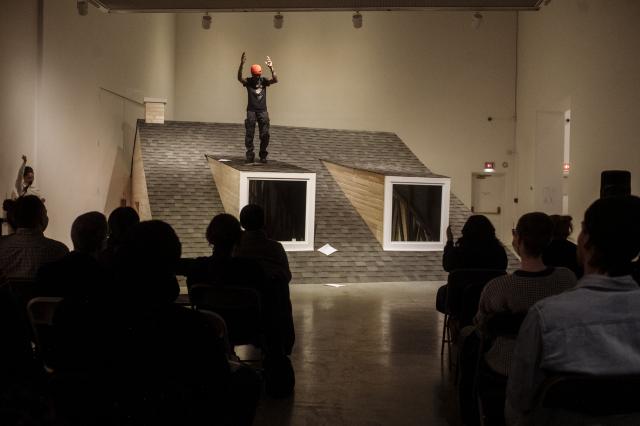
{"x": 307, "y": 5}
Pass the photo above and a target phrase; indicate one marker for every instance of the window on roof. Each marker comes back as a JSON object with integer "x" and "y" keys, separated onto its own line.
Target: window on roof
{"x": 288, "y": 200}
{"x": 284, "y": 203}
{"x": 416, "y": 213}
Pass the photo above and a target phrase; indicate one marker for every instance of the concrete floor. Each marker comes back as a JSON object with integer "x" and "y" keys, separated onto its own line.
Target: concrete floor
{"x": 365, "y": 354}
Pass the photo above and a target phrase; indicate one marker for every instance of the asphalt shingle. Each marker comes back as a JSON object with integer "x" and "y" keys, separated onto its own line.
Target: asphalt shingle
{"x": 182, "y": 192}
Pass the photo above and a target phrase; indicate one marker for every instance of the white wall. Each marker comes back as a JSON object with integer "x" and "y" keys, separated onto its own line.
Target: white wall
{"x": 84, "y": 135}
{"x": 581, "y": 55}
{"x": 429, "y": 77}
{"x": 18, "y": 60}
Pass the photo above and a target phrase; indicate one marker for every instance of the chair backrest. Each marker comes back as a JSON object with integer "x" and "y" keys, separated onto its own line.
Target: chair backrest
{"x": 461, "y": 306}
{"x": 220, "y": 326}
{"x": 240, "y": 307}
{"x": 590, "y": 395}
{"x": 41, "y": 311}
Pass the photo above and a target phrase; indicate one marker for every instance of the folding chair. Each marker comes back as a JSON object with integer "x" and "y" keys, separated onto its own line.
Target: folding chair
{"x": 458, "y": 304}
{"x": 41, "y": 311}
{"x": 239, "y": 307}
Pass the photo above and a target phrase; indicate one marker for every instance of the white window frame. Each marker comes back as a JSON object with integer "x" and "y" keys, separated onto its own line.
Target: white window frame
{"x": 310, "y": 179}
{"x": 390, "y": 245}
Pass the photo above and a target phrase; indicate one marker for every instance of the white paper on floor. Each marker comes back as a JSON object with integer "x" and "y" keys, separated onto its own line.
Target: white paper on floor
{"x": 224, "y": 160}
{"x": 327, "y": 249}
{"x": 335, "y": 285}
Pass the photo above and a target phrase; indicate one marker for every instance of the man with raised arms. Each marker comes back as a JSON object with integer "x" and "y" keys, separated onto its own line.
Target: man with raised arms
{"x": 256, "y": 107}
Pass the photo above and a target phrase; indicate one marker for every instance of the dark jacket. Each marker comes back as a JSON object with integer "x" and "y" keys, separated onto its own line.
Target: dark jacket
{"x": 562, "y": 253}
{"x": 465, "y": 256}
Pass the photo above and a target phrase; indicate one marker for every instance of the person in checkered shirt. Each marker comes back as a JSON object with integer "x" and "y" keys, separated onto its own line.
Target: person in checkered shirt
{"x": 22, "y": 253}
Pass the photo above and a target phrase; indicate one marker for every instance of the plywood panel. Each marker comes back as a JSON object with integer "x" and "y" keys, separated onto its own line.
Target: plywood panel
{"x": 365, "y": 191}
{"x": 228, "y": 183}
{"x": 139, "y": 193}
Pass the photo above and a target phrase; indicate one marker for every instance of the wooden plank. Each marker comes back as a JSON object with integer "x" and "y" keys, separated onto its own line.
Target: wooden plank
{"x": 365, "y": 192}
{"x": 139, "y": 192}
{"x": 228, "y": 183}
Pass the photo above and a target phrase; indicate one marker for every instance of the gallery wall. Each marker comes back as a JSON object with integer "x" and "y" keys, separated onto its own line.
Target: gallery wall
{"x": 77, "y": 122}
{"x": 430, "y": 77}
{"x": 18, "y": 76}
{"x": 581, "y": 55}
{"x": 71, "y": 89}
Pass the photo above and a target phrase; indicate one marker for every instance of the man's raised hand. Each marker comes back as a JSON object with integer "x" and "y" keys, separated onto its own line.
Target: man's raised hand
{"x": 243, "y": 59}
{"x": 24, "y": 159}
{"x": 269, "y": 63}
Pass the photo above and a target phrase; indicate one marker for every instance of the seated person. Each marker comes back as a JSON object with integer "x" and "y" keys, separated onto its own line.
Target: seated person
{"x": 120, "y": 221}
{"x": 221, "y": 268}
{"x": 477, "y": 248}
{"x": 77, "y": 274}
{"x": 7, "y": 207}
{"x": 256, "y": 245}
{"x": 139, "y": 356}
{"x": 516, "y": 293}
{"x": 23, "y": 253}
{"x": 593, "y": 329}
{"x": 561, "y": 251}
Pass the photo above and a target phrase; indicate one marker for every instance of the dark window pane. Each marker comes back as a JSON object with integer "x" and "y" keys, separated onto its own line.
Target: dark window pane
{"x": 416, "y": 211}
{"x": 285, "y": 207}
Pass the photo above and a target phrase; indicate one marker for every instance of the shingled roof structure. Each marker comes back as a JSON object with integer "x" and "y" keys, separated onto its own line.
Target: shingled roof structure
{"x": 182, "y": 192}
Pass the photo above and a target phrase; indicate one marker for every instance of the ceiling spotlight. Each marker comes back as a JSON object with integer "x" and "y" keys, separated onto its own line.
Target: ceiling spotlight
{"x": 83, "y": 7}
{"x": 476, "y": 21}
{"x": 357, "y": 20}
{"x": 206, "y": 21}
{"x": 278, "y": 21}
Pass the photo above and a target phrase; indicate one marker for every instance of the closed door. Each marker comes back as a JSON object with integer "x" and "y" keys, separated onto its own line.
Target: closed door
{"x": 549, "y": 156}
{"x": 487, "y": 198}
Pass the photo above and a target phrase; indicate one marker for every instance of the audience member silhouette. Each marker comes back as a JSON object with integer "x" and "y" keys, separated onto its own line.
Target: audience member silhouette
{"x": 135, "y": 357}
{"x": 255, "y": 244}
{"x": 78, "y": 274}
{"x": 477, "y": 248}
{"x": 23, "y": 253}
{"x": 593, "y": 329}
{"x": 517, "y": 292}
{"x": 8, "y": 206}
{"x": 221, "y": 268}
{"x": 561, "y": 251}
{"x": 120, "y": 221}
